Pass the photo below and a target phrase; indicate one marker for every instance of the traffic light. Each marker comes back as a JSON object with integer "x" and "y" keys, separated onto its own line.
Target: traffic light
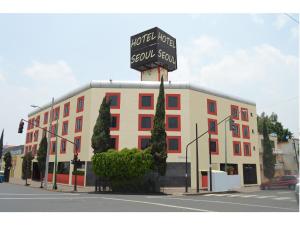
{"x": 231, "y": 124}
{"x": 21, "y": 126}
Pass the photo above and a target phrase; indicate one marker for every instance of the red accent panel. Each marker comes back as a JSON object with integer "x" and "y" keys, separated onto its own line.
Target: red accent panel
{"x": 152, "y": 101}
{"x": 247, "y": 127}
{"x": 140, "y": 121}
{"x": 80, "y": 180}
{"x": 167, "y": 123}
{"x": 77, "y": 108}
{"x": 204, "y": 180}
{"x": 239, "y": 143}
{"x": 216, "y": 125}
{"x": 118, "y": 94}
{"x": 179, "y": 144}
{"x": 216, "y": 108}
{"x": 243, "y": 110}
{"x": 167, "y": 102}
{"x": 50, "y": 177}
{"x": 62, "y": 178}
{"x": 235, "y": 107}
{"x": 118, "y": 122}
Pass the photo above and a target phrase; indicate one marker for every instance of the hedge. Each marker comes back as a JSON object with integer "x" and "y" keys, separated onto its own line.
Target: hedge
{"x": 126, "y": 169}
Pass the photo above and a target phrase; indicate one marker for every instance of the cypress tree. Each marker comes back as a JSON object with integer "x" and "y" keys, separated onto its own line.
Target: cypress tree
{"x": 101, "y": 134}
{"x": 158, "y": 134}
{"x": 8, "y": 164}
{"x": 268, "y": 157}
{"x": 1, "y": 144}
{"x": 26, "y": 166}
{"x": 41, "y": 157}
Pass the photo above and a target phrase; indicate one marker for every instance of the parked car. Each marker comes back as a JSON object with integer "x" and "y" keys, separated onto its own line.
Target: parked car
{"x": 297, "y": 193}
{"x": 287, "y": 181}
{"x": 1, "y": 176}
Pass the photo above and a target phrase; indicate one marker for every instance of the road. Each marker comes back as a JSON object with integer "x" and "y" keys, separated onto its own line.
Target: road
{"x": 17, "y": 198}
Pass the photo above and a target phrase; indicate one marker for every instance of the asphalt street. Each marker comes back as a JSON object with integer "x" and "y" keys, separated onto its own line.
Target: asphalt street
{"x": 17, "y": 198}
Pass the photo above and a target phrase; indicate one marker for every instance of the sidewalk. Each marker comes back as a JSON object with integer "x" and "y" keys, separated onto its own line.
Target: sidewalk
{"x": 176, "y": 191}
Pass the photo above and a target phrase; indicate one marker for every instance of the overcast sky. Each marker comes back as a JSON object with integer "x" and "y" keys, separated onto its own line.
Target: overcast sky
{"x": 251, "y": 56}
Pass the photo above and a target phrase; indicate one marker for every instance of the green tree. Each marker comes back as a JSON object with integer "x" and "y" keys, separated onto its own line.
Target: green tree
{"x": 158, "y": 134}
{"x": 8, "y": 164}
{"x": 274, "y": 126}
{"x": 41, "y": 157}
{"x": 1, "y": 144}
{"x": 26, "y": 166}
{"x": 101, "y": 134}
{"x": 268, "y": 157}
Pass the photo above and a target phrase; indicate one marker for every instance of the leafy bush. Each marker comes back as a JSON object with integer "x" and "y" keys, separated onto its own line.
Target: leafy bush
{"x": 125, "y": 170}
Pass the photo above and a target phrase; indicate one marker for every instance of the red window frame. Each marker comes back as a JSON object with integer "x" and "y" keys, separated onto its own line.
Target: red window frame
{"x": 246, "y": 126}
{"x": 140, "y": 137}
{"x": 117, "y": 141}
{"x": 118, "y": 94}
{"x": 46, "y": 117}
{"x": 239, "y": 131}
{"x": 233, "y": 144}
{"x": 37, "y": 121}
{"x": 249, "y": 144}
{"x": 56, "y": 110}
{"x": 247, "y": 115}
{"x": 140, "y": 122}
{"x": 216, "y": 123}
{"x": 51, "y": 146}
{"x": 77, "y": 109}
{"x": 53, "y": 130}
{"x": 117, "y": 115}
{"x": 231, "y": 110}
{"x": 61, "y": 143}
{"x": 179, "y": 144}
{"x": 62, "y": 128}
{"x": 141, "y": 95}
{"x": 217, "y": 143}
{"x": 216, "y": 107}
{"x": 179, "y": 123}
{"x": 34, "y": 150}
{"x": 167, "y": 102}
{"x": 66, "y": 105}
{"x": 36, "y": 135}
{"x": 77, "y": 130}
{"x": 78, "y": 147}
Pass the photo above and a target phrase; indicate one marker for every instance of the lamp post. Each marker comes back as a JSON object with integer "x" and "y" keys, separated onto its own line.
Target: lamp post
{"x": 55, "y": 160}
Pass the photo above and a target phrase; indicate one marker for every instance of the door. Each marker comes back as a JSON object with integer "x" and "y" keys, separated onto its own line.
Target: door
{"x": 204, "y": 179}
{"x": 249, "y": 174}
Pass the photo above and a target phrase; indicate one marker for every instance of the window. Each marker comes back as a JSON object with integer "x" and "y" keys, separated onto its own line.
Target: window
{"x": 77, "y": 141}
{"x": 63, "y": 146}
{"x": 114, "y": 99}
{"x": 212, "y": 126}
{"x": 173, "y": 101}
{"x": 244, "y": 114}
{"x": 214, "y": 146}
{"x": 34, "y": 148}
{"x": 145, "y": 122}
{"x": 115, "y": 122}
{"x": 78, "y": 124}
{"x": 37, "y": 121}
{"x": 67, "y": 109}
{"x": 65, "y": 127}
{"x": 173, "y": 123}
{"x": 80, "y": 104}
{"x": 53, "y": 130}
{"x": 29, "y": 137}
{"x": 114, "y": 142}
{"x": 53, "y": 147}
{"x": 247, "y": 149}
{"x": 237, "y": 148}
{"x": 146, "y": 101}
{"x": 44, "y": 131}
{"x": 56, "y": 113}
{"x": 235, "y": 112}
{"x": 174, "y": 144}
{"x": 144, "y": 142}
{"x": 211, "y": 107}
{"x": 36, "y": 135}
{"x": 236, "y": 130}
{"x": 246, "y": 133}
{"x": 46, "y": 114}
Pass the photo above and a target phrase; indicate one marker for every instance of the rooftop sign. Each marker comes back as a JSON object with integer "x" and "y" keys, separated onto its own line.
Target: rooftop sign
{"x": 153, "y": 48}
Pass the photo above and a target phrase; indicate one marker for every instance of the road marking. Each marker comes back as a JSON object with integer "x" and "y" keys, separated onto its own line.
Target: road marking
{"x": 247, "y": 196}
{"x": 266, "y": 196}
{"x": 107, "y": 198}
{"x": 283, "y": 192}
{"x": 55, "y": 194}
{"x": 282, "y": 198}
{"x": 233, "y": 196}
{"x": 234, "y": 203}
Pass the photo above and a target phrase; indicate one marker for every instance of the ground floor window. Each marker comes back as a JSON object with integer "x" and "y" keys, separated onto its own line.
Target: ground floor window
{"x": 232, "y": 169}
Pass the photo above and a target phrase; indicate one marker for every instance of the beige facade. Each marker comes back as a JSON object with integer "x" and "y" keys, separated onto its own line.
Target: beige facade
{"x": 193, "y": 108}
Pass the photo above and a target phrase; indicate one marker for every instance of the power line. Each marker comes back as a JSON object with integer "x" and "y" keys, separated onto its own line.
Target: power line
{"x": 288, "y": 15}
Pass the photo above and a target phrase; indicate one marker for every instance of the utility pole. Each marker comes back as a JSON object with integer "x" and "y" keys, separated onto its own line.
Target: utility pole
{"x": 296, "y": 155}
{"x": 225, "y": 147}
{"x": 55, "y": 161}
{"x": 48, "y": 148}
{"x": 210, "y": 172}
{"x": 197, "y": 159}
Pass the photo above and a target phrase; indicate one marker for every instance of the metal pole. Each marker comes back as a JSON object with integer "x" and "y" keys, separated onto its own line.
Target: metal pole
{"x": 48, "y": 147}
{"x": 296, "y": 155}
{"x": 210, "y": 172}
{"x": 186, "y": 170}
{"x": 225, "y": 147}
{"x": 55, "y": 161}
{"x": 197, "y": 160}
